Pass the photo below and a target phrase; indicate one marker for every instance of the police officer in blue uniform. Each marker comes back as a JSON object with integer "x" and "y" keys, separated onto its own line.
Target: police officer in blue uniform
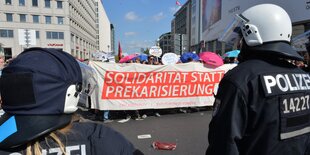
{"x": 262, "y": 105}
{"x": 40, "y": 91}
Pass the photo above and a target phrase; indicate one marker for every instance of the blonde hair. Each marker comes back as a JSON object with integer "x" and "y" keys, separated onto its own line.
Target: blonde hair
{"x": 34, "y": 148}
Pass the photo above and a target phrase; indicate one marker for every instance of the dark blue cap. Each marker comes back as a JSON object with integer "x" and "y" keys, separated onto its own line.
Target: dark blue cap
{"x": 33, "y": 88}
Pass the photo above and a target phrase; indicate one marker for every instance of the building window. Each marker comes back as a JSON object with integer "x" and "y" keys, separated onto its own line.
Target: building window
{"x": 9, "y": 17}
{"x": 61, "y": 35}
{"x": 35, "y": 18}
{"x": 72, "y": 37}
{"x": 47, "y": 3}
{"x": 59, "y": 4}
{"x": 8, "y": 2}
{"x": 60, "y": 20}
{"x": 21, "y": 2}
{"x": 38, "y": 34}
{"x": 34, "y": 2}
{"x": 22, "y": 18}
{"x": 193, "y": 10}
{"x": 54, "y": 35}
{"x": 48, "y": 20}
{"x": 6, "y": 33}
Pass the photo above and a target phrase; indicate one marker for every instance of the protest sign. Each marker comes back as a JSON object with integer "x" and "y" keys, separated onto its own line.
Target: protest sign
{"x": 139, "y": 86}
{"x": 156, "y": 51}
{"x": 170, "y": 58}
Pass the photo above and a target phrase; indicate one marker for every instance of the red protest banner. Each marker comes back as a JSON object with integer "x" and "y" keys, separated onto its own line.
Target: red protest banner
{"x": 138, "y": 85}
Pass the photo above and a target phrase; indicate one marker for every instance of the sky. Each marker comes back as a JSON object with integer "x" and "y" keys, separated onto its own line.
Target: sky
{"x": 139, "y": 23}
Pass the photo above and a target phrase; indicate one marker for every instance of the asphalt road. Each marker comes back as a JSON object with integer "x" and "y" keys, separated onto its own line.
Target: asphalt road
{"x": 189, "y": 131}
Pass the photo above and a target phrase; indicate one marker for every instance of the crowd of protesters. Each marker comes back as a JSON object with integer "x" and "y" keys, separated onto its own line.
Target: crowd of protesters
{"x": 108, "y": 116}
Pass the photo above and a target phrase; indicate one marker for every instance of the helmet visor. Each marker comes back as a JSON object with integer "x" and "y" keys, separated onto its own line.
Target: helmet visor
{"x": 232, "y": 34}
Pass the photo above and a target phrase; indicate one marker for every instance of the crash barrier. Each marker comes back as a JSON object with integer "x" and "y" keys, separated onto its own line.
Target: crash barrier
{"x": 132, "y": 86}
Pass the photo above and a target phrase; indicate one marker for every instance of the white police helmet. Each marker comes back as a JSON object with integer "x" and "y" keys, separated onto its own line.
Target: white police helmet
{"x": 262, "y": 24}
{"x": 266, "y": 26}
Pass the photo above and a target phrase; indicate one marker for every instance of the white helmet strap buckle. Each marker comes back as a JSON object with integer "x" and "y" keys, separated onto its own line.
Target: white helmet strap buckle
{"x": 251, "y": 35}
{"x": 72, "y": 99}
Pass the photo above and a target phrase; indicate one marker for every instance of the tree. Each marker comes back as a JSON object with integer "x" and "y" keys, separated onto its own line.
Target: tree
{"x": 116, "y": 58}
{"x": 147, "y": 51}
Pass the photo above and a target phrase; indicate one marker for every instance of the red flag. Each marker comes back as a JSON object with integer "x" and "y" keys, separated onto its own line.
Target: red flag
{"x": 120, "y": 52}
{"x": 177, "y": 3}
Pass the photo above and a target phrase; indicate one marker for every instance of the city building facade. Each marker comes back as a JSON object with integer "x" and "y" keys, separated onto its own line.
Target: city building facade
{"x": 69, "y": 25}
{"x": 165, "y": 42}
{"x": 195, "y": 42}
{"x": 172, "y": 34}
{"x": 205, "y": 20}
{"x": 216, "y": 15}
{"x": 112, "y": 39}
{"x": 181, "y": 25}
{"x": 180, "y": 43}
{"x": 104, "y": 28}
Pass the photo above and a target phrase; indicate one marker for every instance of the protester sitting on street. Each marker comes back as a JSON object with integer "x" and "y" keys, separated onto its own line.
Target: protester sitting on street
{"x": 40, "y": 91}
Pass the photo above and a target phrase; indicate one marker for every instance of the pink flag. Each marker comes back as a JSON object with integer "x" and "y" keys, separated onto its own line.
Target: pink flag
{"x": 177, "y": 3}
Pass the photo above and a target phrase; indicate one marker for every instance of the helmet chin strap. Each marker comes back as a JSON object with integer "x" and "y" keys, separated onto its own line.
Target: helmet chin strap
{"x": 72, "y": 98}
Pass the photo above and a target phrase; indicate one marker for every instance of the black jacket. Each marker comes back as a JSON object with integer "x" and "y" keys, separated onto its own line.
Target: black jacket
{"x": 262, "y": 107}
{"x": 87, "y": 138}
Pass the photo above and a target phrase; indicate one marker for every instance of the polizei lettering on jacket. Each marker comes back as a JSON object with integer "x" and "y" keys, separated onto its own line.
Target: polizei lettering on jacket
{"x": 276, "y": 84}
{"x": 70, "y": 150}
